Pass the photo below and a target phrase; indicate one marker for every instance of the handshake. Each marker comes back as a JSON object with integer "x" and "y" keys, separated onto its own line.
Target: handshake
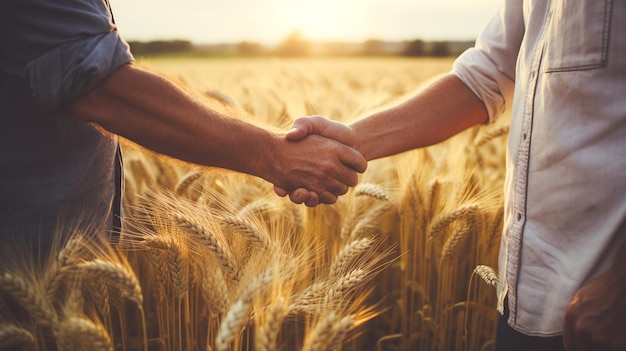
{"x": 323, "y": 166}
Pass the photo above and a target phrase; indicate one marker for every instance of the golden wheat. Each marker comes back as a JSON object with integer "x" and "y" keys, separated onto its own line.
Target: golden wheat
{"x": 267, "y": 332}
{"x": 210, "y": 242}
{"x": 15, "y": 336}
{"x": 115, "y": 275}
{"x": 75, "y": 330}
{"x": 227, "y": 265}
{"x": 487, "y": 274}
{"x": 31, "y": 297}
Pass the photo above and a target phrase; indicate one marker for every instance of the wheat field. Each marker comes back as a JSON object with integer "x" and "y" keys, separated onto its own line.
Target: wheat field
{"x": 213, "y": 260}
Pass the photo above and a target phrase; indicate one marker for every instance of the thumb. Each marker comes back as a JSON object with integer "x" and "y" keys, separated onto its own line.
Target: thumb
{"x": 319, "y": 125}
{"x": 302, "y": 127}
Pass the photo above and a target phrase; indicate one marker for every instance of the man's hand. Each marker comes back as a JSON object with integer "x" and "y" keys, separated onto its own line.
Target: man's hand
{"x": 596, "y": 318}
{"x": 318, "y": 125}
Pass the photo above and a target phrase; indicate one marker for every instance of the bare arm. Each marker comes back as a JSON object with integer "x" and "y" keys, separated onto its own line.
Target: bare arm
{"x": 434, "y": 114}
{"x": 155, "y": 113}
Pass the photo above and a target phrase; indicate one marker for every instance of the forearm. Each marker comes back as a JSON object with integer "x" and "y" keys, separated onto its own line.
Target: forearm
{"x": 434, "y": 114}
{"x": 155, "y": 113}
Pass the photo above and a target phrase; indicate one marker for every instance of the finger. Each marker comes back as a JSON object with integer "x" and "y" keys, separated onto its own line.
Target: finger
{"x": 353, "y": 159}
{"x": 299, "y": 196}
{"x": 313, "y": 200}
{"x": 328, "y": 198}
{"x": 280, "y": 191}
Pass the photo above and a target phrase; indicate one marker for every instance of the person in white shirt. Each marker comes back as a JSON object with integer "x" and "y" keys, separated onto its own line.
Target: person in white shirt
{"x": 561, "y": 66}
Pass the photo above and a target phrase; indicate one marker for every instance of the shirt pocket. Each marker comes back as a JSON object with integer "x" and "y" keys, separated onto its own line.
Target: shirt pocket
{"x": 578, "y": 35}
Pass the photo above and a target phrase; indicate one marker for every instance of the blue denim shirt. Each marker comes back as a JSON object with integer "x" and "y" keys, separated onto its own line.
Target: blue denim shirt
{"x": 53, "y": 167}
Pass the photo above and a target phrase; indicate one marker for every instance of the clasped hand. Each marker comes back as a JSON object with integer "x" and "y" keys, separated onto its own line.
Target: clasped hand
{"x": 305, "y": 126}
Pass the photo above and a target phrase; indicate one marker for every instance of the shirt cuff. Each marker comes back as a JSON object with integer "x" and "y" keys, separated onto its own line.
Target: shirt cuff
{"x": 71, "y": 70}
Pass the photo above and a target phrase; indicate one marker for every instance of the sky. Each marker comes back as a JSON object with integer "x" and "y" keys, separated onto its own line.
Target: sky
{"x": 270, "y": 21}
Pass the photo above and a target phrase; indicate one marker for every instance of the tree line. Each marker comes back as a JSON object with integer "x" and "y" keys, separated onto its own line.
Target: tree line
{"x": 295, "y": 45}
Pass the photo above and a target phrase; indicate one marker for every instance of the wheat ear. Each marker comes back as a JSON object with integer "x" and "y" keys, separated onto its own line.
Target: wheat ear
{"x": 329, "y": 333}
{"x": 116, "y": 275}
{"x": 62, "y": 269}
{"x": 178, "y": 268}
{"x": 310, "y": 299}
{"x": 158, "y": 263}
{"x": 347, "y": 254}
{"x": 341, "y": 329}
{"x": 87, "y": 333}
{"x": 487, "y": 274}
{"x": 346, "y": 283}
{"x": 215, "y": 292}
{"x": 245, "y": 227}
{"x": 12, "y": 335}
{"x": 453, "y": 241}
{"x": 210, "y": 242}
{"x": 186, "y": 182}
{"x": 268, "y": 331}
{"x": 490, "y": 135}
{"x": 238, "y": 314}
{"x": 30, "y": 298}
{"x": 465, "y": 211}
{"x": 372, "y": 190}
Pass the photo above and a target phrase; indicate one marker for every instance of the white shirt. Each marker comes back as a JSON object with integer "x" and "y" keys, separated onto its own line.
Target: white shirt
{"x": 562, "y": 66}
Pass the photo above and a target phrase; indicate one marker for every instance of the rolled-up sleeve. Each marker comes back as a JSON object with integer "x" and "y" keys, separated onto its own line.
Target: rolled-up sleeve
{"x": 62, "y": 49}
{"x": 71, "y": 70}
{"x": 488, "y": 69}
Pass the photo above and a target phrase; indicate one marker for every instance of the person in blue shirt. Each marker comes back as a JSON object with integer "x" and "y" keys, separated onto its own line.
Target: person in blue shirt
{"x": 68, "y": 86}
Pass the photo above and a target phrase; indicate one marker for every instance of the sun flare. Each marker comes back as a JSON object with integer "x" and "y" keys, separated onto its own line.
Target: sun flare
{"x": 317, "y": 20}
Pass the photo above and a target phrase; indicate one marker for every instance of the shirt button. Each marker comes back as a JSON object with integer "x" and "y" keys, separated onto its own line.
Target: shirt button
{"x": 524, "y": 136}
{"x": 519, "y": 217}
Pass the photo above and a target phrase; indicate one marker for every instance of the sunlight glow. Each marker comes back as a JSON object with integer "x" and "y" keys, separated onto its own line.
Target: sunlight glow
{"x": 315, "y": 19}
